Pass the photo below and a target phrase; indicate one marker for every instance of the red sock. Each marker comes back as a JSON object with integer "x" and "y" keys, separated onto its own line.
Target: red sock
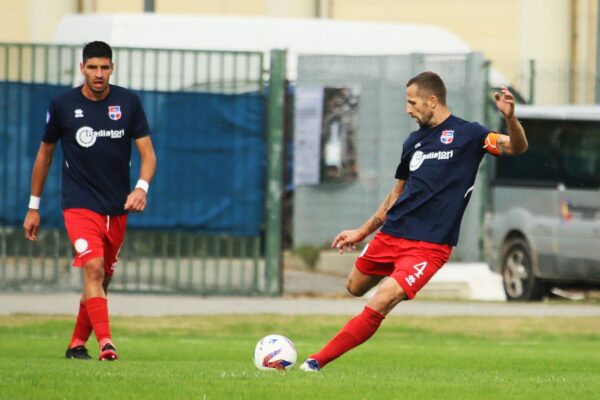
{"x": 97, "y": 308}
{"x": 83, "y": 328}
{"x": 355, "y": 332}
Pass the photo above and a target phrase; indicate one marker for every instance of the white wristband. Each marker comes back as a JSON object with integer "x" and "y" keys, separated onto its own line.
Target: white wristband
{"x": 34, "y": 202}
{"x": 142, "y": 184}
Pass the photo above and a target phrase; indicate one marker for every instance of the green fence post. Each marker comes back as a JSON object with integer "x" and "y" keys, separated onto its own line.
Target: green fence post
{"x": 274, "y": 278}
{"x": 489, "y": 120}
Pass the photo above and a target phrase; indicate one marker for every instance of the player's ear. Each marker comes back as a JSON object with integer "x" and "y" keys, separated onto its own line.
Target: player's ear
{"x": 432, "y": 101}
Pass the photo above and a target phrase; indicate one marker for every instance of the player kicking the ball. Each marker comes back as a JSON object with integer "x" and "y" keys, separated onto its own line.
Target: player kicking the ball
{"x": 96, "y": 123}
{"x": 420, "y": 218}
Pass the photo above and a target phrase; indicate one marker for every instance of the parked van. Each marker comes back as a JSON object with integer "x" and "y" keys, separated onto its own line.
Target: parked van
{"x": 545, "y": 204}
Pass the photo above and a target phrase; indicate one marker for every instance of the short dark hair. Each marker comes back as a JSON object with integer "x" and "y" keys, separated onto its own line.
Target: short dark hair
{"x": 430, "y": 83}
{"x": 96, "y": 49}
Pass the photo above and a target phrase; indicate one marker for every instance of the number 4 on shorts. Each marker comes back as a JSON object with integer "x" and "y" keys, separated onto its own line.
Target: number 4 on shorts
{"x": 420, "y": 268}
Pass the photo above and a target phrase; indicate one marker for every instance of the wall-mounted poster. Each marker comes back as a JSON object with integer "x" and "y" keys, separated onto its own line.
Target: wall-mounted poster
{"x": 308, "y": 114}
{"x": 325, "y": 123}
{"x": 338, "y": 143}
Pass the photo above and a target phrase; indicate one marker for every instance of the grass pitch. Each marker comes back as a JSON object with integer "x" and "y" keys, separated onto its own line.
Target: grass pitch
{"x": 211, "y": 358}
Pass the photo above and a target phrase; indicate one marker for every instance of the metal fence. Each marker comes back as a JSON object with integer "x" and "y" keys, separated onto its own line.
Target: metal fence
{"x": 161, "y": 261}
{"x": 138, "y": 68}
{"x": 150, "y": 261}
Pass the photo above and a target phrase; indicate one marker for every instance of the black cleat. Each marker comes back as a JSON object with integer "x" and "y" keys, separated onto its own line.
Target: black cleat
{"x": 108, "y": 353}
{"x": 78, "y": 352}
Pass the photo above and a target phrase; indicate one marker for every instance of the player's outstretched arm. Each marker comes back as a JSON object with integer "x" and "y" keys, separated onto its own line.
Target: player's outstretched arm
{"x": 41, "y": 167}
{"x": 515, "y": 142}
{"x": 136, "y": 200}
{"x": 346, "y": 240}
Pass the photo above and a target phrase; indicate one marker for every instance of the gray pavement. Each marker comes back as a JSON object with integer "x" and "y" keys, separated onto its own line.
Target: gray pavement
{"x": 163, "y": 305}
{"x": 306, "y": 293}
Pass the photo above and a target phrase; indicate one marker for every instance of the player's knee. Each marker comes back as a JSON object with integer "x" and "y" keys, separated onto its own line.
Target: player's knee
{"x": 354, "y": 289}
{"x": 94, "y": 270}
{"x": 396, "y": 295}
{"x": 387, "y": 297}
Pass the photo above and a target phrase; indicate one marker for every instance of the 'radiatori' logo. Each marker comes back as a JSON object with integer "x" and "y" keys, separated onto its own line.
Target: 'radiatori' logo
{"x": 85, "y": 136}
{"x": 418, "y": 158}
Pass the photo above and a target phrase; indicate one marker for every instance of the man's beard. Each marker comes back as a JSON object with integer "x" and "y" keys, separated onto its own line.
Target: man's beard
{"x": 425, "y": 122}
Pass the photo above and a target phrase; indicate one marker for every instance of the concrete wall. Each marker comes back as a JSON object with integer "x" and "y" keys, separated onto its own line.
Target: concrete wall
{"x": 509, "y": 33}
{"x": 32, "y": 20}
{"x": 14, "y": 20}
{"x": 114, "y": 6}
{"x": 546, "y": 38}
{"x": 490, "y": 26}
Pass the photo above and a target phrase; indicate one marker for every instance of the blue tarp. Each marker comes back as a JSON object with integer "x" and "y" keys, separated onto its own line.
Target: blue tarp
{"x": 211, "y": 154}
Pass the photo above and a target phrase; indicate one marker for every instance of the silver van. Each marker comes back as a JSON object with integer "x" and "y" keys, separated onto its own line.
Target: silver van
{"x": 544, "y": 225}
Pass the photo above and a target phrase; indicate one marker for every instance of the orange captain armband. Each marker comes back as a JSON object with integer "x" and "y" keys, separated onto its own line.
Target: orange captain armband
{"x": 491, "y": 143}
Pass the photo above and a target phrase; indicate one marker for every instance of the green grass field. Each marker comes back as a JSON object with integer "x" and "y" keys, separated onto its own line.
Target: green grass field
{"x": 211, "y": 358}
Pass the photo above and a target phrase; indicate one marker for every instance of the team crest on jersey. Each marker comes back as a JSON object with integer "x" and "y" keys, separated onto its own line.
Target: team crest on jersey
{"x": 114, "y": 112}
{"x": 447, "y": 137}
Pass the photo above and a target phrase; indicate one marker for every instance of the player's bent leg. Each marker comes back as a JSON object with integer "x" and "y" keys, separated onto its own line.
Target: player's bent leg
{"x": 370, "y": 268}
{"x": 359, "y": 283}
{"x": 356, "y": 331}
{"x": 360, "y": 328}
{"x": 387, "y": 296}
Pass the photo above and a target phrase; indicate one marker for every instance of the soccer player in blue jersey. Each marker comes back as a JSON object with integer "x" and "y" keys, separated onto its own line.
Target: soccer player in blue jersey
{"x": 420, "y": 218}
{"x": 96, "y": 124}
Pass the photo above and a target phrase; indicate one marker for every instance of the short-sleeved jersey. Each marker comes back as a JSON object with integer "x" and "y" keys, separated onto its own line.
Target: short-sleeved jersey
{"x": 96, "y": 139}
{"x": 439, "y": 165}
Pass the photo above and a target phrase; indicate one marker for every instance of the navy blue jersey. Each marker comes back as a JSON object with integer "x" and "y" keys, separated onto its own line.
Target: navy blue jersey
{"x": 439, "y": 165}
{"x": 96, "y": 139}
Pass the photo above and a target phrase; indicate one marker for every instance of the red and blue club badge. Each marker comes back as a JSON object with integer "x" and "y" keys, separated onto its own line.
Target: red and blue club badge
{"x": 447, "y": 136}
{"x": 114, "y": 112}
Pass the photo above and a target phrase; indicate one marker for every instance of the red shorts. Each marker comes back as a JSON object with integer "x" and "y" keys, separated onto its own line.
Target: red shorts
{"x": 95, "y": 236}
{"x": 411, "y": 263}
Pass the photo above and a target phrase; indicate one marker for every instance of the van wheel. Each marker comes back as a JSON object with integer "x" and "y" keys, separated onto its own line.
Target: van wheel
{"x": 520, "y": 283}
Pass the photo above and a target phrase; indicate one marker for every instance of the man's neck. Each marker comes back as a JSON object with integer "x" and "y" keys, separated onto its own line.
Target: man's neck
{"x": 94, "y": 96}
{"x": 439, "y": 116}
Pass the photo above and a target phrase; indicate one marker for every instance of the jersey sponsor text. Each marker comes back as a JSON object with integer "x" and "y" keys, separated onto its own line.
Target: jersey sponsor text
{"x": 418, "y": 158}
{"x": 86, "y": 136}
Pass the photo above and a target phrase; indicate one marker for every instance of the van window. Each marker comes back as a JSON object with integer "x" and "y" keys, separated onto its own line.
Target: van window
{"x": 539, "y": 165}
{"x": 566, "y": 152}
{"x": 580, "y": 155}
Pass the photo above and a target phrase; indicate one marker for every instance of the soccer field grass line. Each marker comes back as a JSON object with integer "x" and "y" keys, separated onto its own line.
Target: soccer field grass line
{"x": 210, "y": 357}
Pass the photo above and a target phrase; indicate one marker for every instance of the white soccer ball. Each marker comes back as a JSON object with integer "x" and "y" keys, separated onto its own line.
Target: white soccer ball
{"x": 275, "y": 352}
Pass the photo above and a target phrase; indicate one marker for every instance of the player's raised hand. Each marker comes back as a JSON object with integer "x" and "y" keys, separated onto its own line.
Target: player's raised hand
{"x": 136, "y": 201}
{"x": 31, "y": 224}
{"x": 346, "y": 240}
{"x": 505, "y": 101}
